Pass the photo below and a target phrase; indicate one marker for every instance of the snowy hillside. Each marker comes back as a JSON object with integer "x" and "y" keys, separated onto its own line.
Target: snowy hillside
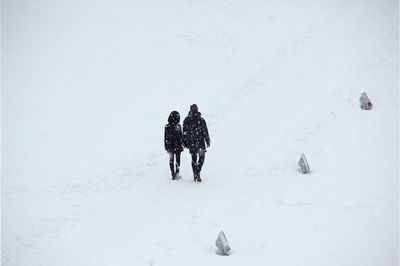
{"x": 87, "y": 87}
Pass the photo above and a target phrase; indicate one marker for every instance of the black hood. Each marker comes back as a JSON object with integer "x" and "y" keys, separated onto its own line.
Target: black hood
{"x": 174, "y": 118}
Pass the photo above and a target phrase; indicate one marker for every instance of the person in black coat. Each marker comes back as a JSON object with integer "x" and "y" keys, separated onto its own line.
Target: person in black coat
{"x": 173, "y": 141}
{"x": 196, "y": 137}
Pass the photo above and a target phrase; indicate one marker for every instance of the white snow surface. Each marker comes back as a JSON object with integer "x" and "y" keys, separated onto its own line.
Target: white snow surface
{"x": 87, "y": 87}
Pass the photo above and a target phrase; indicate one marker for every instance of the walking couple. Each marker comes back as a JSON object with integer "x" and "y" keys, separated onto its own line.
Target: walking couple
{"x": 194, "y": 137}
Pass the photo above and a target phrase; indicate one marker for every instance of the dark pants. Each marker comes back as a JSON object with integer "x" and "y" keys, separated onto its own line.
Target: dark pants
{"x": 197, "y": 165}
{"x": 173, "y": 156}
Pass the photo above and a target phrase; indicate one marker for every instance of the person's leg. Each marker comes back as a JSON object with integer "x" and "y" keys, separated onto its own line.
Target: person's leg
{"x": 202, "y": 156}
{"x": 171, "y": 164}
{"x": 194, "y": 163}
{"x": 178, "y": 162}
{"x": 200, "y": 164}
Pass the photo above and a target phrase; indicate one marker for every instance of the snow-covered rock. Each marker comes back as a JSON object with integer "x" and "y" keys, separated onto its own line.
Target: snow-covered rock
{"x": 304, "y": 167}
{"x": 365, "y": 102}
{"x": 222, "y": 244}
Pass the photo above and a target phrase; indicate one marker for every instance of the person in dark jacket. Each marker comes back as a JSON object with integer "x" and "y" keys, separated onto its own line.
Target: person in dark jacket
{"x": 173, "y": 141}
{"x": 195, "y": 137}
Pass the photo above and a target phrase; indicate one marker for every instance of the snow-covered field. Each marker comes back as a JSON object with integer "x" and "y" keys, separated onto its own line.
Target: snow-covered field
{"x": 87, "y": 87}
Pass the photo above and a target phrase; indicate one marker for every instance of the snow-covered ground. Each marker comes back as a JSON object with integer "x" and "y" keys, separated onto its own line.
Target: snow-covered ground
{"x": 87, "y": 87}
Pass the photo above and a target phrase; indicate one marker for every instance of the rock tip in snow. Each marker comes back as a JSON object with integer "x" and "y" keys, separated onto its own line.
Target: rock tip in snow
{"x": 222, "y": 245}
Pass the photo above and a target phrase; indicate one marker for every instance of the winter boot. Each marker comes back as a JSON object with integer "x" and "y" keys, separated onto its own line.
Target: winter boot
{"x": 197, "y": 177}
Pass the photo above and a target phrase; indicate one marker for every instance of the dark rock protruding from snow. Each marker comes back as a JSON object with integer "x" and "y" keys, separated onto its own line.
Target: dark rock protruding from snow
{"x": 365, "y": 103}
{"x": 305, "y": 169}
{"x": 222, "y": 244}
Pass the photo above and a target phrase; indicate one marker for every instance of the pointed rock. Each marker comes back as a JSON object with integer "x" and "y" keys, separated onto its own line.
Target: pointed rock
{"x": 365, "y": 103}
{"x": 305, "y": 169}
{"x": 222, "y": 244}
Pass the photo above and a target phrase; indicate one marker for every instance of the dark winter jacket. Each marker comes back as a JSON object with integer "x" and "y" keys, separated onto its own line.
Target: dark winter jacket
{"x": 173, "y": 139}
{"x": 195, "y": 132}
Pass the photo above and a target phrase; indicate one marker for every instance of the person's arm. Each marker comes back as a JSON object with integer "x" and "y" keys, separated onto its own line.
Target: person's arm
{"x": 205, "y": 133}
{"x": 180, "y": 134}
{"x": 184, "y": 135}
{"x": 165, "y": 137}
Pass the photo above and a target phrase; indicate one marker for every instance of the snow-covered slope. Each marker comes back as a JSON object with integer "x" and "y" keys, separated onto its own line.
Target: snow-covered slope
{"x": 87, "y": 87}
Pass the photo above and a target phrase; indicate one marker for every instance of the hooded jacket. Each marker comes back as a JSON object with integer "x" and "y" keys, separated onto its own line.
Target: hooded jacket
{"x": 195, "y": 132}
{"x": 173, "y": 139}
